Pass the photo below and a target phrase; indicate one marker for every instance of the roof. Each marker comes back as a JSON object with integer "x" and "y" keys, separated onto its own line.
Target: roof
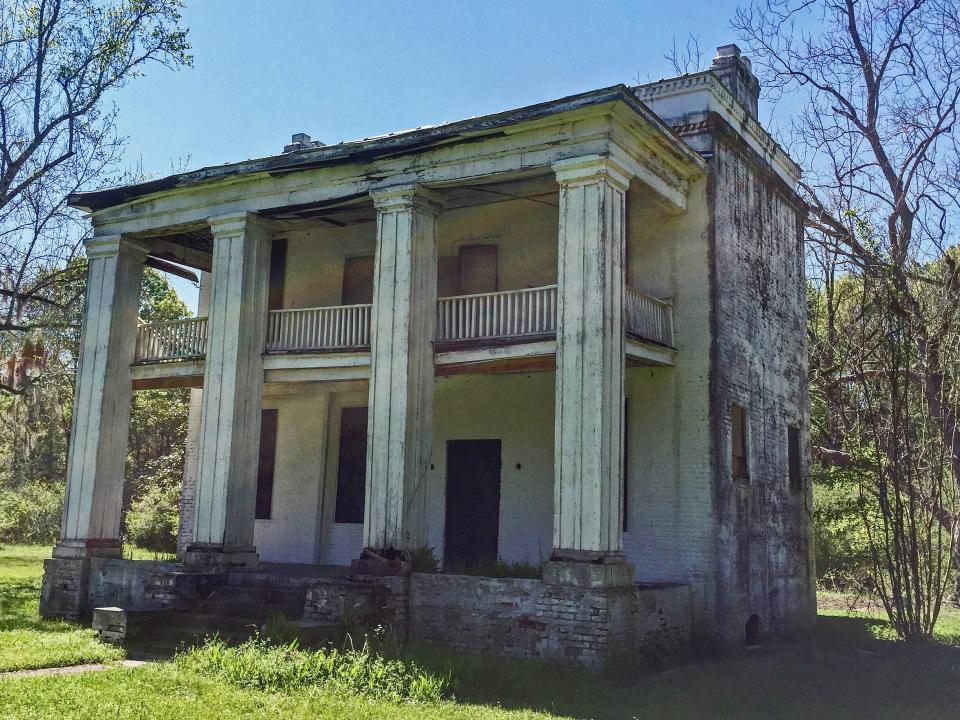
{"x": 366, "y": 149}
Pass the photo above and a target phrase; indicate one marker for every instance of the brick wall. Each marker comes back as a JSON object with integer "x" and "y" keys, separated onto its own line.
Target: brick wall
{"x": 531, "y": 619}
{"x": 764, "y": 561}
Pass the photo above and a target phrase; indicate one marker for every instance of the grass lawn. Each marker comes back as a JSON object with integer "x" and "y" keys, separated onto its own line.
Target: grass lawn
{"x": 26, "y": 641}
{"x": 849, "y": 671}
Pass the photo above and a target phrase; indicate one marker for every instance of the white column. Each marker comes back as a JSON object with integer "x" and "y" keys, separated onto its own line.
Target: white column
{"x": 232, "y": 389}
{"x": 401, "y": 374}
{"x": 101, "y": 406}
{"x": 588, "y": 455}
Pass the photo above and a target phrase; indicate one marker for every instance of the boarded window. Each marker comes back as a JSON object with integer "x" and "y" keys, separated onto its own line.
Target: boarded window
{"x": 351, "y": 465}
{"x": 278, "y": 272}
{"x": 479, "y": 269}
{"x": 793, "y": 458}
{"x": 739, "y": 442}
{"x": 266, "y": 463}
{"x": 357, "y": 280}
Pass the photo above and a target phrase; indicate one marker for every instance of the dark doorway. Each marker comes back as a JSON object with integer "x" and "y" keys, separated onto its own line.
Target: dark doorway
{"x": 473, "y": 503}
{"x": 351, "y": 466}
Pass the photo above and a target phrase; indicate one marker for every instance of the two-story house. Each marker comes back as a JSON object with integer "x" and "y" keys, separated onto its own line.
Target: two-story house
{"x": 568, "y": 336}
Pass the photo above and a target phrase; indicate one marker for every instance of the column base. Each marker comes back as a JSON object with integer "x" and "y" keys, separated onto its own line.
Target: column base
{"x": 88, "y": 548}
{"x": 221, "y": 557}
{"x": 64, "y": 592}
{"x": 591, "y": 570}
{"x": 382, "y": 562}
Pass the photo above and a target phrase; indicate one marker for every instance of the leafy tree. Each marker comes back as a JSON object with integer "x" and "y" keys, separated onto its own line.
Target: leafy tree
{"x": 878, "y": 82}
{"x": 59, "y": 61}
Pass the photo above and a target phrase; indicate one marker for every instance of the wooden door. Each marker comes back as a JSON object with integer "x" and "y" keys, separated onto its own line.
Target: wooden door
{"x": 357, "y": 280}
{"x": 472, "y": 530}
{"x": 479, "y": 269}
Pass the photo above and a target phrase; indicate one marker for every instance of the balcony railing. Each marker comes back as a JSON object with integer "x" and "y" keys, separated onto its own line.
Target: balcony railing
{"x": 649, "y": 318}
{"x": 173, "y": 340}
{"x": 340, "y": 327}
{"x": 506, "y": 314}
{"x": 528, "y": 313}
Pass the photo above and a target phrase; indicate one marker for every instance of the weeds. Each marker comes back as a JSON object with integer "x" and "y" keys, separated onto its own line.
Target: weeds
{"x": 256, "y": 664}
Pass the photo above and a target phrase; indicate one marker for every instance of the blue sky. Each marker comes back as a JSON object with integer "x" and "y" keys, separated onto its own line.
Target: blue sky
{"x": 341, "y": 70}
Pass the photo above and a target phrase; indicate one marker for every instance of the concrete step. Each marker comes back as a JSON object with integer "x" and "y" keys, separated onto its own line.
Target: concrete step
{"x": 258, "y": 603}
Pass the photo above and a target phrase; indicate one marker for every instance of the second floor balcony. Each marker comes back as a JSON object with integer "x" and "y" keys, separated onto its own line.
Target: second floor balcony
{"x": 494, "y": 318}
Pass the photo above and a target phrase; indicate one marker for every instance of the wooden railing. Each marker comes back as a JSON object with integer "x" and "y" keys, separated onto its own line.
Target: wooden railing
{"x": 507, "y": 314}
{"x": 339, "y": 327}
{"x": 649, "y": 318}
{"x": 510, "y": 313}
{"x": 173, "y": 340}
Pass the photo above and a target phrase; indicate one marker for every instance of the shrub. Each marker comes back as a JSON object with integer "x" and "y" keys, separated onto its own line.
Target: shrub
{"x": 259, "y": 665}
{"x": 30, "y": 512}
{"x": 153, "y": 519}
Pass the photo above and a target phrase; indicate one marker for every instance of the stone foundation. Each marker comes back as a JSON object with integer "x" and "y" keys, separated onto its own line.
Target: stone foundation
{"x": 534, "y": 619}
{"x": 585, "y": 614}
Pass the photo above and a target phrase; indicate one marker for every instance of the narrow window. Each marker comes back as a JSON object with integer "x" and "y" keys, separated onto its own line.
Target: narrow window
{"x": 739, "y": 442}
{"x": 278, "y": 272}
{"x": 357, "y": 286}
{"x": 793, "y": 458}
{"x": 351, "y": 466}
{"x": 626, "y": 461}
{"x": 479, "y": 269}
{"x": 266, "y": 462}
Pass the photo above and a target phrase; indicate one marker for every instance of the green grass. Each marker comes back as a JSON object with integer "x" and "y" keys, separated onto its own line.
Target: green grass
{"x": 28, "y": 642}
{"x": 849, "y": 670}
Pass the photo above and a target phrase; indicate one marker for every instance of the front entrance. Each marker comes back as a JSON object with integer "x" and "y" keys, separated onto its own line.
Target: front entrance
{"x": 473, "y": 503}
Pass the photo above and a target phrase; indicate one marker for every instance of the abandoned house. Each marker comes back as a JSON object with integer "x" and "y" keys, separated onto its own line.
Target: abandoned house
{"x": 532, "y": 383}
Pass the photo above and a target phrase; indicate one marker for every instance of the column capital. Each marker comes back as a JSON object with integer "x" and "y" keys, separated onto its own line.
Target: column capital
{"x": 113, "y": 245}
{"x": 591, "y": 168}
{"x": 402, "y": 197}
{"x": 234, "y": 224}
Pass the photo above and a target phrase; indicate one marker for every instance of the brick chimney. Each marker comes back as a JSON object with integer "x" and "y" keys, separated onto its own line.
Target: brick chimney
{"x": 736, "y": 74}
{"x": 301, "y": 141}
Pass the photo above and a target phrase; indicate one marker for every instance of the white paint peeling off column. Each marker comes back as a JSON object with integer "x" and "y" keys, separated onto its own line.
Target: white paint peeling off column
{"x": 401, "y": 374}
{"x": 101, "y": 408}
{"x": 232, "y": 388}
{"x": 590, "y": 358}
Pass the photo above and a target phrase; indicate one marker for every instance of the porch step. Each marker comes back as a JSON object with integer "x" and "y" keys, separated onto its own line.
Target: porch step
{"x": 287, "y": 577}
{"x": 255, "y": 603}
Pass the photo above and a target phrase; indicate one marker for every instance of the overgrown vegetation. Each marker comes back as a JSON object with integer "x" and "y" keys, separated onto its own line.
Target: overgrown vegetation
{"x": 26, "y": 641}
{"x": 260, "y": 665}
{"x": 878, "y": 85}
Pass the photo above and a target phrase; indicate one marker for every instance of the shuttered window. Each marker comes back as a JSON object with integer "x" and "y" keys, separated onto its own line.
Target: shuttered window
{"x": 794, "y": 458}
{"x": 739, "y": 435}
{"x": 351, "y": 466}
{"x": 278, "y": 273}
{"x": 266, "y": 463}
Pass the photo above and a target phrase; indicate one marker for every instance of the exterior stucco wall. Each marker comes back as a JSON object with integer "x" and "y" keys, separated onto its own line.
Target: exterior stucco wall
{"x": 525, "y": 233}
{"x": 518, "y": 410}
{"x": 671, "y": 530}
{"x": 290, "y": 535}
{"x": 764, "y": 561}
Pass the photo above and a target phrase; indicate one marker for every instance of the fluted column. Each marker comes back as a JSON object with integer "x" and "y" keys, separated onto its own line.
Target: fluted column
{"x": 101, "y": 405}
{"x": 588, "y": 462}
{"x": 401, "y": 374}
{"x": 232, "y": 388}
